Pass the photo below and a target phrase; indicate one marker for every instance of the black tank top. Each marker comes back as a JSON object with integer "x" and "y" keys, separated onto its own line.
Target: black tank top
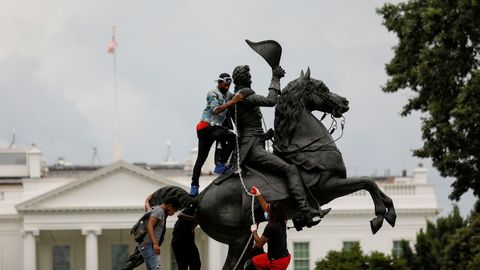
{"x": 277, "y": 240}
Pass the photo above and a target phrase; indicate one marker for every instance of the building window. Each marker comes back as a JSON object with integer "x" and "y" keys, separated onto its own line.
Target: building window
{"x": 301, "y": 256}
{"x": 397, "y": 250}
{"x": 13, "y": 159}
{"x": 61, "y": 257}
{"x": 173, "y": 261}
{"x": 348, "y": 245}
{"x": 119, "y": 256}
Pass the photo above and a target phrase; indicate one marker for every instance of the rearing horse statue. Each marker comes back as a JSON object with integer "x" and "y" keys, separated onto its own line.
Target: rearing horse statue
{"x": 224, "y": 207}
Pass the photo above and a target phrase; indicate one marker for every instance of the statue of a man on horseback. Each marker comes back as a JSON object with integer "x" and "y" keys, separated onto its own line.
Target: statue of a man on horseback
{"x": 305, "y": 171}
{"x": 251, "y": 137}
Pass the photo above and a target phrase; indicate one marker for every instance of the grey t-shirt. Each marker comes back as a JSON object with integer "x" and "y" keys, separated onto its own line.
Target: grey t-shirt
{"x": 158, "y": 228}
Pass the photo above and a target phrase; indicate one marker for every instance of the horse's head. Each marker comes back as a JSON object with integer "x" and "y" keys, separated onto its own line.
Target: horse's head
{"x": 317, "y": 96}
{"x": 304, "y": 94}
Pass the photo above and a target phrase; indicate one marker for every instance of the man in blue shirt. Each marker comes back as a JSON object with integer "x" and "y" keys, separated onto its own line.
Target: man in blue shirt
{"x": 212, "y": 128}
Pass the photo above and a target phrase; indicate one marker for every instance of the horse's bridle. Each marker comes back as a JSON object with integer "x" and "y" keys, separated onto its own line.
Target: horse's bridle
{"x": 328, "y": 100}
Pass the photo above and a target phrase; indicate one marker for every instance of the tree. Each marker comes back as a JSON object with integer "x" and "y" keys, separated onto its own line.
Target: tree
{"x": 463, "y": 249}
{"x": 407, "y": 253}
{"x": 430, "y": 244}
{"x": 350, "y": 259}
{"x": 437, "y": 57}
{"x": 449, "y": 243}
{"x": 354, "y": 259}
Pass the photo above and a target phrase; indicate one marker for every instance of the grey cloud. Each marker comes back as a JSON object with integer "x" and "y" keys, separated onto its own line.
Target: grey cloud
{"x": 40, "y": 113}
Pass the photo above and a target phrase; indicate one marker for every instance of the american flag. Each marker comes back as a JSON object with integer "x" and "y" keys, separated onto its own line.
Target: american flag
{"x": 112, "y": 45}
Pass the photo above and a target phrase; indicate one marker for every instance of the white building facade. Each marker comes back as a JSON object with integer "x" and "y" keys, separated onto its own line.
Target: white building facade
{"x": 80, "y": 218}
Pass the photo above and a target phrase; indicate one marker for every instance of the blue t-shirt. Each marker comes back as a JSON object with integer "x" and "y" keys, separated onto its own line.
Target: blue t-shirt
{"x": 215, "y": 98}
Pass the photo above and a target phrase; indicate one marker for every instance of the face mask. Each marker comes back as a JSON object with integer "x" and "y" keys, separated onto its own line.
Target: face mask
{"x": 265, "y": 215}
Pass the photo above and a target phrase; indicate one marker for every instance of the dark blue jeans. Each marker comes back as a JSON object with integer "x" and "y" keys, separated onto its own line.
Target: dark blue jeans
{"x": 152, "y": 261}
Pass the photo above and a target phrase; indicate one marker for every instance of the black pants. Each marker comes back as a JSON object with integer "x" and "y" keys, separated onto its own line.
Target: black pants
{"x": 206, "y": 137}
{"x": 186, "y": 254}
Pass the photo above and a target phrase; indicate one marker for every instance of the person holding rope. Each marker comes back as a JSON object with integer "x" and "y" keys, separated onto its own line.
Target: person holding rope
{"x": 251, "y": 137}
{"x": 211, "y": 128}
{"x": 275, "y": 234}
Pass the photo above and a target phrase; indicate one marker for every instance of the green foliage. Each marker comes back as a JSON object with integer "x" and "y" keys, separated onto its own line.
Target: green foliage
{"x": 343, "y": 260}
{"x": 450, "y": 243}
{"x": 437, "y": 57}
{"x": 463, "y": 249}
{"x": 380, "y": 261}
{"x": 354, "y": 259}
{"x": 430, "y": 245}
{"x": 407, "y": 253}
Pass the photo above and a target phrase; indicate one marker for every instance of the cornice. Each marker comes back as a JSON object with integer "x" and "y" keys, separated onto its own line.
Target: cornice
{"x": 11, "y": 217}
{"x": 83, "y": 210}
{"x": 109, "y": 170}
{"x": 369, "y": 212}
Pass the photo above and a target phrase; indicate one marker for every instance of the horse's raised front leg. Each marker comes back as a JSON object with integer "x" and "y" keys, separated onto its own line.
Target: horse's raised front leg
{"x": 339, "y": 187}
{"x": 238, "y": 252}
{"x": 391, "y": 215}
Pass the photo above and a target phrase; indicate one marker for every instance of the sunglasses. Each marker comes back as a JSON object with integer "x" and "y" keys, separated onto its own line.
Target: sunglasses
{"x": 226, "y": 79}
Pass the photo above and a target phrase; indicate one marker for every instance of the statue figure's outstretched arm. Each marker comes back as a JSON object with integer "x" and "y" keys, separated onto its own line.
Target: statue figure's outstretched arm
{"x": 273, "y": 91}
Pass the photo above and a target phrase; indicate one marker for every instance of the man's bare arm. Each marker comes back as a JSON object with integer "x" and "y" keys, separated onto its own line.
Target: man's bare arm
{"x": 236, "y": 98}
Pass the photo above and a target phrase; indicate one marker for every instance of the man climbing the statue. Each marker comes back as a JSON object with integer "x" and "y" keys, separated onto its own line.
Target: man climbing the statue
{"x": 252, "y": 138}
{"x": 211, "y": 128}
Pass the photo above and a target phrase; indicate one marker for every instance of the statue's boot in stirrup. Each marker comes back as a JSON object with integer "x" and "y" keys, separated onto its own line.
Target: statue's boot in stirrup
{"x": 324, "y": 212}
{"x": 311, "y": 216}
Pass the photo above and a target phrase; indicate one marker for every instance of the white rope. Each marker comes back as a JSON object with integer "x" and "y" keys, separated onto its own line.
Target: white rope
{"x": 266, "y": 129}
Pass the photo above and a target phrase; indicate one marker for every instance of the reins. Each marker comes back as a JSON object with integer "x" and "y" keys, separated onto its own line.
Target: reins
{"x": 331, "y": 130}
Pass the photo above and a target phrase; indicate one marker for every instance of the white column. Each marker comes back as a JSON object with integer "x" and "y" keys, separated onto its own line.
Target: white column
{"x": 29, "y": 249}
{"x": 91, "y": 247}
{"x": 216, "y": 254}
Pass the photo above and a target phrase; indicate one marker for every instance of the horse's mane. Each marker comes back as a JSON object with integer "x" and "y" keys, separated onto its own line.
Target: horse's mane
{"x": 290, "y": 105}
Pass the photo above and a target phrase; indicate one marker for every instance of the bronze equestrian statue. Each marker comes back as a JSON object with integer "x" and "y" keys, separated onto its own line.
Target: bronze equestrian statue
{"x": 224, "y": 208}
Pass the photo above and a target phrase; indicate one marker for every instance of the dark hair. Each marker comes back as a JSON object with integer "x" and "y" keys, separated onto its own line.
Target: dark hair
{"x": 174, "y": 202}
{"x": 224, "y": 75}
{"x": 277, "y": 213}
{"x": 241, "y": 75}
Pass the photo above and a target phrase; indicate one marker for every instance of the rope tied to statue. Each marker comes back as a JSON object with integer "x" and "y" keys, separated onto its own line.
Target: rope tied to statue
{"x": 239, "y": 171}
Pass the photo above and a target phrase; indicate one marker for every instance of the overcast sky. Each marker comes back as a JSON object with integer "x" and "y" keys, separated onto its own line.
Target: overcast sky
{"x": 56, "y": 78}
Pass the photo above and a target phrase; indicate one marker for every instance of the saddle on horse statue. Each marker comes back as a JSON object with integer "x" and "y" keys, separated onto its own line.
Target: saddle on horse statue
{"x": 275, "y": 188}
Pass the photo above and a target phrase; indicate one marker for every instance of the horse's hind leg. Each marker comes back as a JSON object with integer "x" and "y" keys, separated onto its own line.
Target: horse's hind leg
{"x": 238, "y": 253}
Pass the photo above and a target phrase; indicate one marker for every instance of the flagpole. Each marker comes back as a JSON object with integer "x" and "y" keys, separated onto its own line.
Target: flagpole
{"x": 117, "y": 151}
